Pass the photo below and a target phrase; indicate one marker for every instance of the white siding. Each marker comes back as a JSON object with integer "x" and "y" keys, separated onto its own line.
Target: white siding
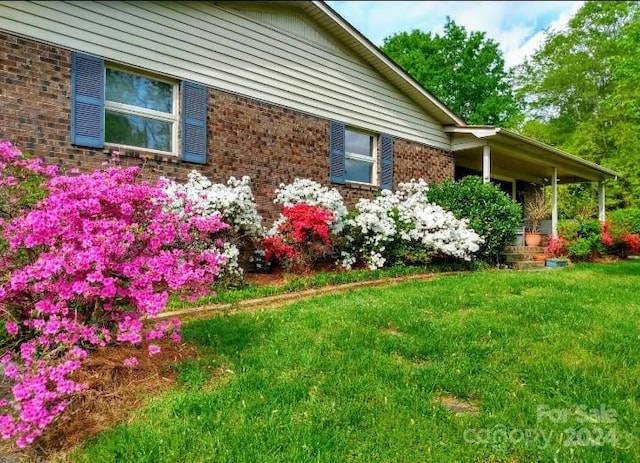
{"x": 238, "y": 51}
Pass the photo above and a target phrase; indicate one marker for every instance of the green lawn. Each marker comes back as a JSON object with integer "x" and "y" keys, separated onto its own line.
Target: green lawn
{"x": 353, "y": 377}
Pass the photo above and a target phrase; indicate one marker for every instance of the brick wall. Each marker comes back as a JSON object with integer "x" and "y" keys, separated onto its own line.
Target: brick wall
{"x": 270, "y": 144}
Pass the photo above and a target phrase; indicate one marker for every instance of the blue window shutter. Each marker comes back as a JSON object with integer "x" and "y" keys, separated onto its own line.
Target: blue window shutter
{"x": 386, "y": 162}
{"x": 336, "y": 152}
{"x": 194, "y": 122}
{"x": 87, "y": 100}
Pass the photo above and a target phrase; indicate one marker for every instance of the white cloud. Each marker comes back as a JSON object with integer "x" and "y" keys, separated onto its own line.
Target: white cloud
{"x": 518, "y": 26}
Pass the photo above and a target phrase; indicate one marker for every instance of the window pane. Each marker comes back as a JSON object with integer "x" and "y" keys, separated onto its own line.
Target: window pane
{"x": 358, "y": 171}
{"x": 126, "y": 129}
{"x": 140, "y": 91}
{"x": 358, "y": 143}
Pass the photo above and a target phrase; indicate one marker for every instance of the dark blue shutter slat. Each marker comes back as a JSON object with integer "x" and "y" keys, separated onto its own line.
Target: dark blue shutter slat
{"x": 336, "y": 152}
{"x": 194, "y": 122}
{"x": 386, "y": 162}
{"x": 87, "y": 100}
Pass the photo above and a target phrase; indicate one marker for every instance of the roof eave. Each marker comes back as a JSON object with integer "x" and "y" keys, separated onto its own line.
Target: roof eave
{"x": 612, "y": 174}
{"x": 485, "y": 131}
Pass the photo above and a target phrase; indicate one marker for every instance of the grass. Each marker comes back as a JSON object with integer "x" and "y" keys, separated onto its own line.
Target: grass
{"x": 294, "y": 283}
{"x": 354, "y": 377}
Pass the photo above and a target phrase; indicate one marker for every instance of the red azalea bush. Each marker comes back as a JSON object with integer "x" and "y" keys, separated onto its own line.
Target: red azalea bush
{"x": 631, "y": 242}
{"x": 83, "y": 267}
{"x": 556, "y": 246}
{"x": 304, "y": 236}
{"x": 605, "y": 235}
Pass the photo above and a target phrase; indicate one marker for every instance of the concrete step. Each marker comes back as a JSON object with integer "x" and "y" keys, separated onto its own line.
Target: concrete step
{"x": 524, "y": 249}
{"x": 528, "y": 265}
{"x": 520, "y": 257}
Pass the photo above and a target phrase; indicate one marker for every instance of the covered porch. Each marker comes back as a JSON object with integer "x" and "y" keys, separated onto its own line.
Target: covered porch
{"x": 516, "y": 162}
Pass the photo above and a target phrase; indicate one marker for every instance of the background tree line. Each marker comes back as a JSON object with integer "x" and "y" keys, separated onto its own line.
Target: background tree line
{"x": 580, "y": 91}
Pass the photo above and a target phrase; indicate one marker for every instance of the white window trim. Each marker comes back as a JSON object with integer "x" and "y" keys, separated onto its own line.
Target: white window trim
{"x": 144, "y": 112}
{"x": 373, "y": 159}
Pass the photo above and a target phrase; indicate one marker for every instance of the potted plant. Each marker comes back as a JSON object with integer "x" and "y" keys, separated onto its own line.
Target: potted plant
{"x": 535, "y": 210}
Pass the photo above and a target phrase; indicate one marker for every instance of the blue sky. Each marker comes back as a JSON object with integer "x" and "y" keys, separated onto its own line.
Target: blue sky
{"x": 518, "y": 26}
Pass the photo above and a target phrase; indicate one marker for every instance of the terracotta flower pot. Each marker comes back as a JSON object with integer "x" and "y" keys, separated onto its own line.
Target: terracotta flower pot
{"x": 533, "y": 239}
{"x": 540, "y": 257}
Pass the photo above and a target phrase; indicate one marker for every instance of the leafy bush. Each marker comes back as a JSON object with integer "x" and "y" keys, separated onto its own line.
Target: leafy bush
{"x": 625, "y": 220}
{"x": 85, "y": 266}
{"x": 303, "y": 237}
{"x": 403, "y": 227}
{"x": 586, "y": 239}
{"x": 490, "y": 212}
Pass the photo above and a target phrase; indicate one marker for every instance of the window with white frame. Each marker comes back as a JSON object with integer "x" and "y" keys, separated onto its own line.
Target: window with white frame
{"x": 360, "y": 156}
{"x": 140, "y": 111}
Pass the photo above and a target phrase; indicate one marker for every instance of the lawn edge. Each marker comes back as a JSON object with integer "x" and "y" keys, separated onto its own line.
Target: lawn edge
{"x": 270, "y": 302}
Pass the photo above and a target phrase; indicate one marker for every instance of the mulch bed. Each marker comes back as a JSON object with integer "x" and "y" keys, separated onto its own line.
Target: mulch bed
{"x": 114, "y": 392}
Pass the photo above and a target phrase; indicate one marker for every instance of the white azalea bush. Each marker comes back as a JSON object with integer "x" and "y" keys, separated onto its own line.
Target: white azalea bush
{"x": 234, "y": 202}
{"x": 307, "y": 191}
{"x": 404, "y": 227}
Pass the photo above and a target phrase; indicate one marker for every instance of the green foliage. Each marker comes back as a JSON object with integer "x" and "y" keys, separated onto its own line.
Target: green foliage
{"x": 463, "y": 69}
{"x": 584, "y": 238}
{"x": 581, "y": 91}
{"x": 490, "y": 211}
{"x": 626, "y": 220}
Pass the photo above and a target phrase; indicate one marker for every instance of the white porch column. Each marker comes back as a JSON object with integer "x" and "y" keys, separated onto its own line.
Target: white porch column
{"x": 554, "y": 203}
{"x": 601, "y": 210}
{"x": 486, "y": 164}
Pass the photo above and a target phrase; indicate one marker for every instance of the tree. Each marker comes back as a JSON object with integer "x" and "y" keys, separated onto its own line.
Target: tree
{"x": 581, "y": 92}
{"x": 463, "y": 69}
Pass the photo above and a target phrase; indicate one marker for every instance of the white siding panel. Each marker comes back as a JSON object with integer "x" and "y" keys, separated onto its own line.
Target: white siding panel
{"x": 292, "y": 23}
{"x": 229, "y": 50}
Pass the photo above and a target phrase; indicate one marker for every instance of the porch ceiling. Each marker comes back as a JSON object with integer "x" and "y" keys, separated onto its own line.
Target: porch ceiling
{"x": 519, "y": 157}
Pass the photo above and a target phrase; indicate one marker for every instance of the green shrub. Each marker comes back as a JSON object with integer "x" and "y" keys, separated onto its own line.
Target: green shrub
{"x": 584, "y": 238}
{"x": 491, "y": 213}
{"x": 624, "y": 221}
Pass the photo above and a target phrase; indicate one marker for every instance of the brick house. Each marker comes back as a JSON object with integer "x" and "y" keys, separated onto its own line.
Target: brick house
{"x": 273, "y": 90}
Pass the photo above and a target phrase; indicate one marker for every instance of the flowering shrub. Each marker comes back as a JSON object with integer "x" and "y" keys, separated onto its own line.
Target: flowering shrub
{"x": 312, "y": 193}
{"x": 233, "y": 201}
{"x": 556, "y": 246}
{"x": 20, "y": 179}
{"x": 605, "y": 236}
{"x": 631, "y": 243}
{"x": 623, "y": 225}
{"x": 405, "y": 227}
{"x": 302, "y": 237}
{"x": 102, "y": 255}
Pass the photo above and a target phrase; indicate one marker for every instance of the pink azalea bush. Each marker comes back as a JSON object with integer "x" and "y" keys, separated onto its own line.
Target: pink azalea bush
{"x": 85, "y": 266}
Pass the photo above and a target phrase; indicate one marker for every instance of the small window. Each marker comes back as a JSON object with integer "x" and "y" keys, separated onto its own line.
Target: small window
{"x": 360, "y": 157}
{"x": 140, "y": 111}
